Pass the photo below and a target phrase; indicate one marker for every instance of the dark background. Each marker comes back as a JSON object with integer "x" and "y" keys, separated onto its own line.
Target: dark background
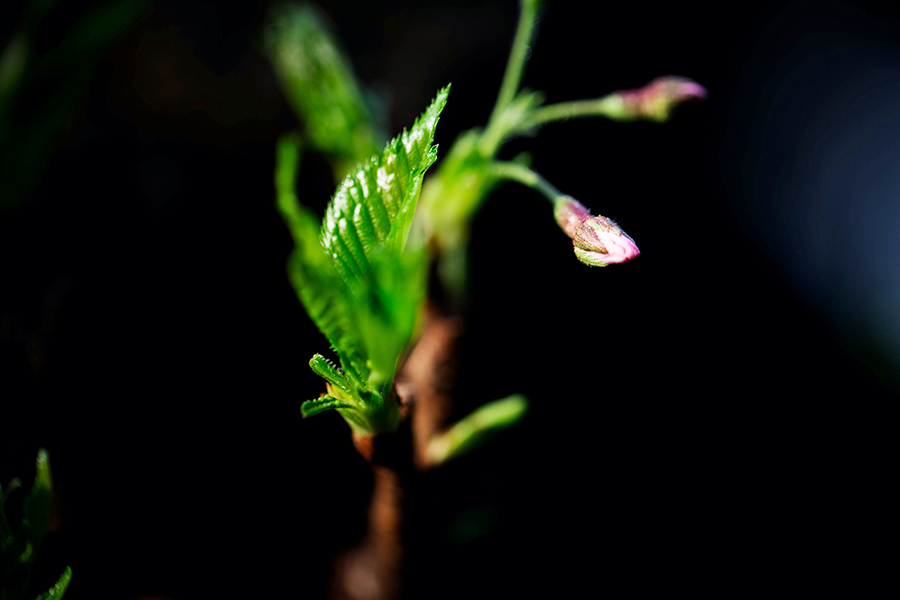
{"x": 704, "y": 419}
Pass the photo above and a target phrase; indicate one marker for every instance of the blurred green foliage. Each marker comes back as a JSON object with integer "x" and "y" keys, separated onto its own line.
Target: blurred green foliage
{"x": 320, "y": 86}
{"x": 41, "y": 91}
{"x": 476, "y": 428}
{"x": 22, "y": 531}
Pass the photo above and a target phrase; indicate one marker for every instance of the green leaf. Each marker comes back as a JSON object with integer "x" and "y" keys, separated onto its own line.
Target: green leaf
{"x": 57, "y": 591}
{"x": 21, "y": 541}
{"x": 361, "y": 277}
{"x": 327, "y": 371}
{"x": 31, "y": 120}
{"x": 314, "y": 407}
{"x": 14, "y": 565}
{"x": 388, "y": 312}
{"x": 476, "y": 428}
{"x": 5, "y": 532}
{"x": 12, "y": 64}
{"x": 454, "y": 195}
{"x": 374, "y": 206}
{"x": 319, "y": 84}
{"x": 310, "y": 270}
{"x": 37, "y": 503}
{"x": 365, "y": 232}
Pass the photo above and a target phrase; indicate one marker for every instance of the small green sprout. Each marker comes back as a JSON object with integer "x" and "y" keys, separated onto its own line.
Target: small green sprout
{"x": 20, "y": 542}
{"x": 473, "y": 430}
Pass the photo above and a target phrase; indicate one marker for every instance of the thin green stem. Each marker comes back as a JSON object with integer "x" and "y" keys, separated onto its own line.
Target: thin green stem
{"x": 514, "y": 68}
{"x": 610, "y": 106}
{"x": 522, "y": 174}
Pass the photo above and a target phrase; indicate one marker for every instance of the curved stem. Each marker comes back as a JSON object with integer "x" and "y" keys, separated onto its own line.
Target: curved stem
{"x": 525, "y": 176}
{"x": 609, "y": 106}
{"x": 514, "y": 68}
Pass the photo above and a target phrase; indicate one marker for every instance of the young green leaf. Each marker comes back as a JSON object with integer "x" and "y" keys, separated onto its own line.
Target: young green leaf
{"x": 365, "y": 232}
{"x": 388, "y": 310}
{"x": 320, "y": 86}
{"x": 362, "y": 278}
{"x": 36, "y": 509}
{"x": 327, "y": 371}
{"x": 20, "y": 542}
{"x": 477, "y": 427}
{"x": 57, "y": 591}
{"x": 374, "y": 206}
{"x": 32, "y": 121}
{"x": 458, "y": 188}
{"x": 310, "y": 270}
{"x": 5, "y": 532}
{"x": 314, "y": 407}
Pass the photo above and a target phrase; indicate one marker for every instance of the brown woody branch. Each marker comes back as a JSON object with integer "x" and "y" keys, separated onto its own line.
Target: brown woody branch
{"x": 373, "y": 570}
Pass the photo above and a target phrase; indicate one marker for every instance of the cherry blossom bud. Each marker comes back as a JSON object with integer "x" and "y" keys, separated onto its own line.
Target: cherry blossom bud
{"x": 656, "y": 100}
{"x": 598, "y": 240}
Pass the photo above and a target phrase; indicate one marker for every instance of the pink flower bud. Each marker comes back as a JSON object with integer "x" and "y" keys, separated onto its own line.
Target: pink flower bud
{"x": 656, "y": 100}
{"x": 598, "y": 241}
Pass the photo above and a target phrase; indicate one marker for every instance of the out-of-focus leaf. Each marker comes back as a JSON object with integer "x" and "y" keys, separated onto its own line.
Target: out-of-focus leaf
{"x": 12, "y": 64}
{"x": 27, "y": 142}
{"x": 5, "y": 532}
{"x": 37, "y": 503}
{"x": 20, "y": 542}
{"x": 450, "y": 200}
{"x": 453, "y": 196}
{"x": 59, "y": 589}
{"x": 319, "y": 83}
{"x": 477, "y": 427}
{"x": 321, "y": 291}
{"x": 388, "y": 309}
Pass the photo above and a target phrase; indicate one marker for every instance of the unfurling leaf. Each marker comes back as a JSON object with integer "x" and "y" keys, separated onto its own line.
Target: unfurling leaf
{"x": 314, "y": 407}
{"x": 365, "y": 232}
{"x": 374, "y": 205}
{"x": 361, "y": 276}
{"x": 319, "y": 84}
{"x": 21, "y": 541}
{"x": 57, "y": 591}
{"x": 320, "y": 289}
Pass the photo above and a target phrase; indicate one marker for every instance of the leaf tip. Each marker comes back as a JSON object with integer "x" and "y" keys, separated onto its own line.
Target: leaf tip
{"x": 42, "y": 477}
{"x": 476, "y": 428}
{"x": 57, "y": 591}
